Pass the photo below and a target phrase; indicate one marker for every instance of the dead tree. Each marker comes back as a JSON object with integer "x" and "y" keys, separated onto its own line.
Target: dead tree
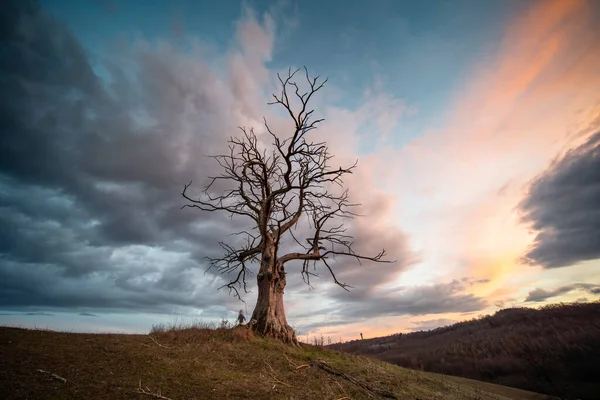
{"x": 273, "y": 189}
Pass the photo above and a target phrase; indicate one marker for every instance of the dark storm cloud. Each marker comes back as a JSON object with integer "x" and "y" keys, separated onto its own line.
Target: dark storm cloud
{"x": 563, "y": 207}
{"x": 87, "y": 314}
{"x": 414, "y": 300}
{"x": 431, "y": 299}
{"x": 539, "y": 295}
{"x": 441, "y": 298}
{"x": 30, "y": 285}
{"x": 93, "y": 158}
{"x": 91, "y": 172}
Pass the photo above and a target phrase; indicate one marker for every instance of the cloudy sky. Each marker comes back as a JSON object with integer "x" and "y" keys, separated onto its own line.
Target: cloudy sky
{"x": 476, "y": 125}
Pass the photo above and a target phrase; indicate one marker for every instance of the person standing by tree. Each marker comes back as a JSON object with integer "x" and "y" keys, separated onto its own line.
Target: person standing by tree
{"x": 241, "y": 318}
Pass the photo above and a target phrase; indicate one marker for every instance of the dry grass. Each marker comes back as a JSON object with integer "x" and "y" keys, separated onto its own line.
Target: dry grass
{"x": 201, "y": 363}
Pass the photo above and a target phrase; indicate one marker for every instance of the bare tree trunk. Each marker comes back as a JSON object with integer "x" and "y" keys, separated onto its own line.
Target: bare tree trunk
{"x": 268, "y": 318}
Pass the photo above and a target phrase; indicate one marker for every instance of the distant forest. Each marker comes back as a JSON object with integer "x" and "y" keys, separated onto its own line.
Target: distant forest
{"x": 553, "y": 350}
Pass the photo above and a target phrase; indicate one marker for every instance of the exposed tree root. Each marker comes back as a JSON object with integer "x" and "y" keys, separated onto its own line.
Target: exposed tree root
{"x": 275, "y": 330}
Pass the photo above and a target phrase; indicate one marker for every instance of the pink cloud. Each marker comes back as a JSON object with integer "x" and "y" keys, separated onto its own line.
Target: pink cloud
{"x": 518, "y": 111}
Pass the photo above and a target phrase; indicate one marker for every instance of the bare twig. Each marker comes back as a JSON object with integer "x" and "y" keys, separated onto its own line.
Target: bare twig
{"x": 158, "y": 344}
{"x": 58, "y": 378}
{"x": 294, "y": 366}
{"x": 147, "y": 392}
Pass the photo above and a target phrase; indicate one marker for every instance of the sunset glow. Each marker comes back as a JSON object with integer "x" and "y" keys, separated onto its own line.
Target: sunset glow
{"x": 476, "y": 129}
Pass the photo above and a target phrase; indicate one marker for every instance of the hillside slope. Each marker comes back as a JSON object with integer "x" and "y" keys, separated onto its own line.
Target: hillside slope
{"x": 209, "y": 364}
{"x": 553, "y": 350}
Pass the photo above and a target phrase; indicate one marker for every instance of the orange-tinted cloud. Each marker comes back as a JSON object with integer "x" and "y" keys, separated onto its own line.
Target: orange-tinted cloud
{"x": 516, "y": 114}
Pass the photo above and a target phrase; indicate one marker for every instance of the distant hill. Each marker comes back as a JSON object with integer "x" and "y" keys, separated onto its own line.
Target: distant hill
{"x": 554, "y": 349}
{"x": 217, "y": 364}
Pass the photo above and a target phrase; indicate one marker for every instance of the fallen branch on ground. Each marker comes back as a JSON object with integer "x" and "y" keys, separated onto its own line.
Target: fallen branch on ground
{"x": 147, "y": 392}
{"x": 326, "y": 367}
{"x": 58, "y": 378}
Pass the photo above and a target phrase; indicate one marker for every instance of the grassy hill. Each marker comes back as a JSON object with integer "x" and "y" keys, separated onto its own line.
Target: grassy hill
{"x": 554, "y": 349}
{"x": 210, "y": 364}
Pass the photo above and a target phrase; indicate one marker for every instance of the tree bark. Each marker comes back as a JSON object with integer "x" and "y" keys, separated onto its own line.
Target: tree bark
{"x": 268, "y": 318}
